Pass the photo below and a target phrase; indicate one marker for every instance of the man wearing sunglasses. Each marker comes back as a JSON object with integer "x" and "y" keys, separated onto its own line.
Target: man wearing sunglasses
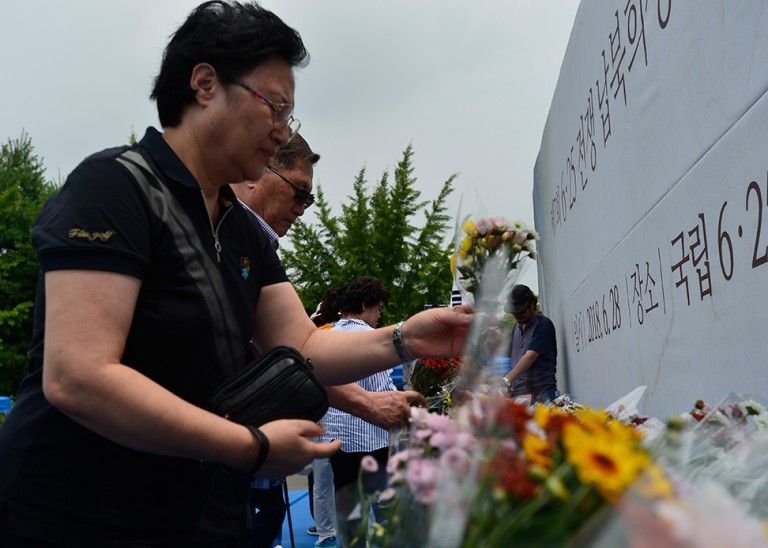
{"x": 284, "y": 192}
{"x": 277, "y": 199}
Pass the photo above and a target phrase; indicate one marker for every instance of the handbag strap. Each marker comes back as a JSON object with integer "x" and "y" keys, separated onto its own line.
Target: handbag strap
{"x": 164, "y": 203}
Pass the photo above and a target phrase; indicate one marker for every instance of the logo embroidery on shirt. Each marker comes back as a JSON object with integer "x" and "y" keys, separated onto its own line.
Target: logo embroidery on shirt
{"x": 245, "y": 267}
{"x": 84, "y": 234}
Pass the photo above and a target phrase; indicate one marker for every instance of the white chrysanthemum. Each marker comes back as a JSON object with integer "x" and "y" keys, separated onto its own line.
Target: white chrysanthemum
{"x": 754, "y": 408}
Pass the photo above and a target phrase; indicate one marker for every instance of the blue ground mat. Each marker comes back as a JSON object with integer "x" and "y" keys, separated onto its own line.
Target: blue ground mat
{"x": 301, "y": 520}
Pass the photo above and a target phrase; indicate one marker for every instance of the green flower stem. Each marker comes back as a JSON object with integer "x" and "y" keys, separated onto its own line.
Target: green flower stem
{"x": 506, "y": 529}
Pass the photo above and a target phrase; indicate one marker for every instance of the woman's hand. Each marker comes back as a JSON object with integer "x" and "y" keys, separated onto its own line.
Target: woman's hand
{"x": 290, "y": 447}
{"x": 438, "y": 332}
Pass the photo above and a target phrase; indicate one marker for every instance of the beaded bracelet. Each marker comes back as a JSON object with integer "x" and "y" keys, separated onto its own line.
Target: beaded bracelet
{"x": 397, "y": 340}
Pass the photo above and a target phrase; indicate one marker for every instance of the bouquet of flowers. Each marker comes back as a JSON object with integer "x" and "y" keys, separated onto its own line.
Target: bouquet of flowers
{"x": 434, "y": 378}
{"x": 517, "y": 474}
{"x": 726, "y": 444}
{"x": 497, "y": 473}
{"x": 716, "y": 458}
{"x": 480, "y": 240}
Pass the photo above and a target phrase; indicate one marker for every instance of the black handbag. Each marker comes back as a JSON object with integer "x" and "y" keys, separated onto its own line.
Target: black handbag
{"x": 279, "y": 384}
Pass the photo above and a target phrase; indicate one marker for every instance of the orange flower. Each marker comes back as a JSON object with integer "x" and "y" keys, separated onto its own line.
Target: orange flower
{"x": 511, "y": 475}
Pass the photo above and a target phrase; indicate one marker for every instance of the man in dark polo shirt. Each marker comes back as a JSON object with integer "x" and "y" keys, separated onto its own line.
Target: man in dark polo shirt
{"x": 533, "y": 350}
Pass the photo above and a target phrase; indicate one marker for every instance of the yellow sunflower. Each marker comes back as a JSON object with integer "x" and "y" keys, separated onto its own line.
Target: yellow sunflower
{"x": 602, "y": 460}
{"x": 537, "y": 450}
{"x": 654, "y": 483}
{"x": 541, "y": 415}
{"x": 594, "y": 420}
{"x": 625, "y": 432}
{"x": 545, "y": 415}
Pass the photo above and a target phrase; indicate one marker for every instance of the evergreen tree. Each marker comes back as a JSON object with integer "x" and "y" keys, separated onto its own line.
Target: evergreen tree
{"x": 376, "y": 235}
{"x": 23, "y": 191}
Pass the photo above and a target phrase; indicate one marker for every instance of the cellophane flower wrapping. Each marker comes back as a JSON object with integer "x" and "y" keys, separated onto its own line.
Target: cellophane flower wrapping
{"x": 435, "y": 379}
{"x": 716, "y": 460}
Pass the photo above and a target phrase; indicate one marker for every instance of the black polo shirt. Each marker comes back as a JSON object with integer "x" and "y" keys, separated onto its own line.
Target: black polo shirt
{"x": 137, "y": 211}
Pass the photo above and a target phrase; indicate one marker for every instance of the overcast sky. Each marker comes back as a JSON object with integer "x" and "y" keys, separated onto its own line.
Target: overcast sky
{"x": 467, "y": 83}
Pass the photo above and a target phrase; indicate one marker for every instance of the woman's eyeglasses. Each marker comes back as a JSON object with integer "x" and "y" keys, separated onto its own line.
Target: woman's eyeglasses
{"x": 283, "y": 112}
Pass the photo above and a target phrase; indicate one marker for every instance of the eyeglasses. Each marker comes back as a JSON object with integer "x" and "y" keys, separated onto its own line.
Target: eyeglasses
{"x": 283, "y": 112}
{"x": 301, "y": 196}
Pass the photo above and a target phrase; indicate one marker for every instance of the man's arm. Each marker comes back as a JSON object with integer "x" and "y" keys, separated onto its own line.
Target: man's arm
{"x": 522, "y": 365}
{"x": 386, "y": 410}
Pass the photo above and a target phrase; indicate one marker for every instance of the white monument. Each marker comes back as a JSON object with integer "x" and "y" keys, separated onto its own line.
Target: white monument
{"x": 651, "y": 198}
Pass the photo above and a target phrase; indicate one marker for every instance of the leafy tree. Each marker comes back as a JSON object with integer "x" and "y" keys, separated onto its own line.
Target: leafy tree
{"x": 376, "y": 236}
{"x": 23, "y": 191}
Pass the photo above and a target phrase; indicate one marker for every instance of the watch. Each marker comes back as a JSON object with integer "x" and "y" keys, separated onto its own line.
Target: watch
{"x": 508, "y": 383}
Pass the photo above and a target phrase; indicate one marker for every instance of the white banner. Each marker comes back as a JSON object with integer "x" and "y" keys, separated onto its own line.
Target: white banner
{"x": 649, "y": 194}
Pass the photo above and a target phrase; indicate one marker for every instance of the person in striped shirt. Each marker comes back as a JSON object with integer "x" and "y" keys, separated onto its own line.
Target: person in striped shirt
{"x": 360, "y": 303}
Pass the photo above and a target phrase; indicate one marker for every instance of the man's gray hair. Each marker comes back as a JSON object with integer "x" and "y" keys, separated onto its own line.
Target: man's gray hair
{"x": 296, "y": 149}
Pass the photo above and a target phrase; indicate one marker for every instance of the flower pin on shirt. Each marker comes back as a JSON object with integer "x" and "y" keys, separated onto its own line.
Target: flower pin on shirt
{"x": 245, "y": 267}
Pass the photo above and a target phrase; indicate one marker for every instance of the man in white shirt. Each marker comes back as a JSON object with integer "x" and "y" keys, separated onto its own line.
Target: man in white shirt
{"x": 277, "y": 199}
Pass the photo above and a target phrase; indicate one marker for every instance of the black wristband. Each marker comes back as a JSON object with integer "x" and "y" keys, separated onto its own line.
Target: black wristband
{"x": 263, "y": 452}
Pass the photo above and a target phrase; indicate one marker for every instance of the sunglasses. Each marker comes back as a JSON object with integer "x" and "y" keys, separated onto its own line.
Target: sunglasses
{"x": 301, "y": 196}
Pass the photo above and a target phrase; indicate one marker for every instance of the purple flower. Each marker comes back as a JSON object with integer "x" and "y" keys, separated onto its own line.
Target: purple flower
{"x": 421, "y": 476}
{"x": 521, "y": 236}
{"x": 423, "y": 433}
{"x": 369, "y": 464}
{"x": 442, "y": 440}
{"x": 439, "y": 422}
{"x": 399, "y": 460}
{"x": 489, "y": 224}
